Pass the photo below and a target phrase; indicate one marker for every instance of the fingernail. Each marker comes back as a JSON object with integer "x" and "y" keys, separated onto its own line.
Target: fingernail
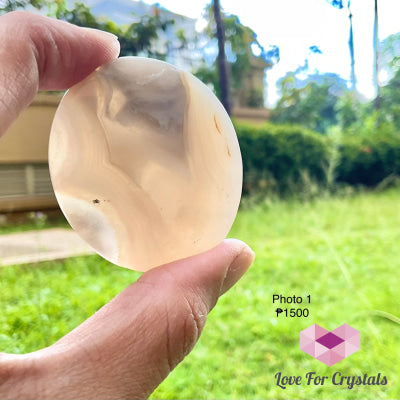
{"x": 101, "y": 34}
{"x": 109, "y": 40}
{"x": 238, "y": 267}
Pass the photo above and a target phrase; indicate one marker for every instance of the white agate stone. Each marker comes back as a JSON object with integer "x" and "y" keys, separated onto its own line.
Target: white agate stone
{"x": 145, "y": 163}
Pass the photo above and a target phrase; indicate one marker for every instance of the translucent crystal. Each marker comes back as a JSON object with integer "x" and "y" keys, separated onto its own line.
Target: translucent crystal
{"x": 145, "y": 163}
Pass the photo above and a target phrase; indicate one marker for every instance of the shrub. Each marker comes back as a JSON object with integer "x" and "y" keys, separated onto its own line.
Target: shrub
{"x": 277, "y": 156}
{"x": 286, "y": 158}
{"x": 368, "y": 159}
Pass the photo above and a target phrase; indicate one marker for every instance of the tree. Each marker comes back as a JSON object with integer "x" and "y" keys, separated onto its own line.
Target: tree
{"x": 363, "y": 117}
{"x": 389, "y": 56}
{"x": 385, "y": 106}
{"x": 390, "y": 100}
{"x": 375, "y": 51}
{"x": 222, "y": 64}
{"x": 339, "y": 4}
{"x": 240, "y": 41}
{"x": 135, "y": 39}
{"x": 310, "y": 102}
{"x": 388, "y": 53}
{"x": 357, "y": 117}
{"x": 13, "y": 5}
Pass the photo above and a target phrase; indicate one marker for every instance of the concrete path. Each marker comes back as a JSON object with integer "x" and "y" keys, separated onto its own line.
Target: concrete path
{"x": 35, "y": 246}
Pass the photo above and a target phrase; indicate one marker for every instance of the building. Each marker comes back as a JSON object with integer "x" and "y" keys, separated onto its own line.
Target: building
{"x": 24, "y": 174}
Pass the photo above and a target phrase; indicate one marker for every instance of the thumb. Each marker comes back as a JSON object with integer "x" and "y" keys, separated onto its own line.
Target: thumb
{"x": 130, "y": 345}
{"x": 37, "y": 52}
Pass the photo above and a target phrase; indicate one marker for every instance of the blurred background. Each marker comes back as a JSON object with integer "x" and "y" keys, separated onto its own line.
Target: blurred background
{"x": 313, "y": 90}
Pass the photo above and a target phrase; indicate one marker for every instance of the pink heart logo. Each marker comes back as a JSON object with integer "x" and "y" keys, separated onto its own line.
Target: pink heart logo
{"x": 330, "y": 347}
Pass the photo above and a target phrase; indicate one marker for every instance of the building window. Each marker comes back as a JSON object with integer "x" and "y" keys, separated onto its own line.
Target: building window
{"x": 31, "y": 179}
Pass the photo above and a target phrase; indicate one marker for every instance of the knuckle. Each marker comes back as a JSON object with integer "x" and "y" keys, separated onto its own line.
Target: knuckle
{"x": 187, "y": 323}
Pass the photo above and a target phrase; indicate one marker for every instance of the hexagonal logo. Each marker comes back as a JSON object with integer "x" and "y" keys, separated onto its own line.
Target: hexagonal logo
{"x": 330, "y": 347}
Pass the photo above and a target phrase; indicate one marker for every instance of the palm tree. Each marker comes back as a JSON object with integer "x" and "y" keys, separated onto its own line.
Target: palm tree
{"x": 351, "y": 48}
{"x": 339, "y": 4}
{"x": 375, "y": 48}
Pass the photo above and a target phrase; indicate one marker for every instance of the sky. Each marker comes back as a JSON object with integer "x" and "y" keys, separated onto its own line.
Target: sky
{"x": 295, "y": 25}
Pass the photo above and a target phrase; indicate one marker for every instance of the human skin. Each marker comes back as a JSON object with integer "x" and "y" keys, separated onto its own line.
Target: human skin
{"x": 128, "y": 347}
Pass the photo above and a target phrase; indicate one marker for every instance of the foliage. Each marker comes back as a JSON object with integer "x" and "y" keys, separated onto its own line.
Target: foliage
{"x": 13, "y": 5}
{"x": 321, "y": 101}
{"x": 286, "y": 159}
{"x": 368, "y": 159}
{"x": 354, "y": 116}
{"x": 10, "y": 223}
{"x": 389, "y": 54}
{"x": 311, "y": 101}
{"x": 390, "y": 101}
{"x": 135, "y": 39}
{"x": 275, "y": 157}
{"x": 240, "y": 40}
{"x": 350, "y": 110}
{"x": 339, "y": 250}
{"x": 385, "y": 108}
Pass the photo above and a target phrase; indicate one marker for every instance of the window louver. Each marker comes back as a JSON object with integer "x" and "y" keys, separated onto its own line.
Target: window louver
{"x": 25, "y": 180}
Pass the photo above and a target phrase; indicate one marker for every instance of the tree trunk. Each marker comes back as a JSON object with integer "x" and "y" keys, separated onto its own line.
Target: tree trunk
{"x": 376, "y": 66}
{"x": 351, "y": 48}
{"x": 222, "y": 64}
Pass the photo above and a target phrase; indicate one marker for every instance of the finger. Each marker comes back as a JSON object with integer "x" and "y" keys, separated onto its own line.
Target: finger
{"x": 129, "y": 346}
{"x": 40, "y": 53}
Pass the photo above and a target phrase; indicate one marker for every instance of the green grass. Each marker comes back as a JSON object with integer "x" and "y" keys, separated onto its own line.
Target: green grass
{"x": 343, "y": 252}
{"x": 32, "y": 221}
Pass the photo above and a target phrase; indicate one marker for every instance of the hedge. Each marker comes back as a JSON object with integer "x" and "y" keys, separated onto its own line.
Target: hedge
{"x": 278, "y": 157}
{"x": 368, "y": 160}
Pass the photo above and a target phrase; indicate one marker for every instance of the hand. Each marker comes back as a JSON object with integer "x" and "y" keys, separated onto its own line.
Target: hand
{"x": 130, "y": 345}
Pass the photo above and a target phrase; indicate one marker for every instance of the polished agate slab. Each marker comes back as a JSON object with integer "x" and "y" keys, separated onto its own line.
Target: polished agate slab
{"x": 145, "y": 163}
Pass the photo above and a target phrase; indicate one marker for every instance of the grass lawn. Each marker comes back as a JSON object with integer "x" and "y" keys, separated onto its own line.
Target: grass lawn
{"x": 32, "y": 221}
{"x": 343, "y": 252}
